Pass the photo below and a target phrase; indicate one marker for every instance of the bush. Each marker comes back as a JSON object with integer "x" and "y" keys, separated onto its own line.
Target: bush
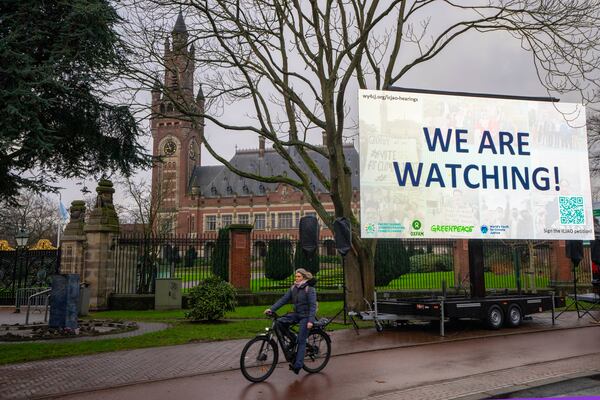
{"x": 190, "y": 257}
{"x": 172, "y": 254}
{"x": 391, "y": 261}
{"x": 431, "y": 263}
{"x": 221, "y": 255}
{"x": 330, "y": 259}
{"x": 301, "y": 261}
{"x": 278, "y": 263}
{"x": 210, "y": 300}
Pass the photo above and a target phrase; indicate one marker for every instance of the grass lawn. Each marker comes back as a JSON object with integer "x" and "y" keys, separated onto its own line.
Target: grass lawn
{"x": 238, "y": 325}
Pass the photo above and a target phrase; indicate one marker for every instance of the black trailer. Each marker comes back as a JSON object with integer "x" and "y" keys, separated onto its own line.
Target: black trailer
{"x": 495, "y": 310}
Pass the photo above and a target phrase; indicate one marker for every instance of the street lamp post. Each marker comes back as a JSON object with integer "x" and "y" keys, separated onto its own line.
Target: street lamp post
{"x": 22, "y": 237}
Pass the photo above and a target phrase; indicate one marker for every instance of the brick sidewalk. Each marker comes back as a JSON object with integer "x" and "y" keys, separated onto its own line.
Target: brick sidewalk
{"x": 67, "y": 375}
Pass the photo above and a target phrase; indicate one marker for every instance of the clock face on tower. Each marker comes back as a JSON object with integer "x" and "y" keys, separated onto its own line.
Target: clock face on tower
{"x": 170, "y": 147}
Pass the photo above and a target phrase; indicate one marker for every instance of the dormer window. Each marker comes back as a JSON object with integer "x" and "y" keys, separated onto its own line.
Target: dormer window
{"x": 261, "y": 189}
{"x": 229, "y": 190}
{"x": 213, "y": 190}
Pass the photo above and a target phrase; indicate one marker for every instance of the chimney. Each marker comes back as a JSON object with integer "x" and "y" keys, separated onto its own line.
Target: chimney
{"x": 324, "y": 134}
{"x": 261, "y": 147}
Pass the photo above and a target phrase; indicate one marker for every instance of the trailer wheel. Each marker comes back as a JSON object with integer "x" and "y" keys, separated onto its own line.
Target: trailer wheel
{"x": 514, "y": 316}
{"x": 378, "y": 326}
{"x": 495, "y": 318}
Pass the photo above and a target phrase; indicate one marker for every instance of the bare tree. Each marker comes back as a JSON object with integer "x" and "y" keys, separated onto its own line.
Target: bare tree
{"x": 35, "y": 213}
{"x": 295, "y": 64}
{"x": 146, "y": 210}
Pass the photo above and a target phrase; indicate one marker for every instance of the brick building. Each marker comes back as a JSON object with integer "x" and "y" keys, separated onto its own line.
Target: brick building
{"x": 195, "y": 198}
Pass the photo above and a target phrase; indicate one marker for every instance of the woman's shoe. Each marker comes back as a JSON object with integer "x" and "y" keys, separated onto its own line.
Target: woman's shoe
{"x": 296, "y": 370}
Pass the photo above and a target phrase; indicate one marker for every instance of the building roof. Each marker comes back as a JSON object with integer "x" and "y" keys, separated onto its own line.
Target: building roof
{"x": 216, "y": 181}
{"x": 180, "y": 24}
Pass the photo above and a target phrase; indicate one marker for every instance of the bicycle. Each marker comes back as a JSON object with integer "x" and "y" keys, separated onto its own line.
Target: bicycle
{"x": 261, "y": 354}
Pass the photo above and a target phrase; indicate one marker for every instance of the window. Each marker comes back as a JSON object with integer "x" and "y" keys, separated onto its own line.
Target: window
{"x": 192, "y": 223}
{"x": 297, "y": 219}
{"x": 285, "y": 221}
{"x": 311, "y": 214}
{"x": 226, "y": 220}
{"x": 273, "y": 220}
{"x": 242, "y": 218}
{"x": 211, "y": 222}
{"x": 259, "y": 221}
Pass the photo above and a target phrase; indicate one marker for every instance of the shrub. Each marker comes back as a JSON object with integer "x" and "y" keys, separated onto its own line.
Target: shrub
{"x": 190, "y": 257}
{"x": 431, "y": 263}
{"x": 301, "y": 261}
{"x": 210, "y": 300}
{"x": 172, "y": 254}
{"x": 391, "y": 261}
{"x": 278, "y": 263}
{"x": 221, "y": 255}
{"x": 330, "y": 259}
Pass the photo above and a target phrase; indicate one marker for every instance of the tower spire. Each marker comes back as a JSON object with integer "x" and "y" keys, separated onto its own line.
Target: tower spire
{"x": 180, "y": 24}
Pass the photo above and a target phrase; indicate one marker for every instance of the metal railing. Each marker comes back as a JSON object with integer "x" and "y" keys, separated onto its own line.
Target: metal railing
{"x": 140, "y": 260}
{"x": 400, "y": 265}
{"x": 22, "y": 295}
{"x": 46, "y": 292}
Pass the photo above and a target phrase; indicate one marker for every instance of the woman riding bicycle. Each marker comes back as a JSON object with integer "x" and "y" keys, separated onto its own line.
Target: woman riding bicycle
{"x": 304, "y": 297}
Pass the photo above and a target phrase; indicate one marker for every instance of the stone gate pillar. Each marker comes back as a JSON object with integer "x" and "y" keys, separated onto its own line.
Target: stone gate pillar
{"x": 239, "y": 256}
{"x": 73, "y": 242}
{"x": 100, "y": 230}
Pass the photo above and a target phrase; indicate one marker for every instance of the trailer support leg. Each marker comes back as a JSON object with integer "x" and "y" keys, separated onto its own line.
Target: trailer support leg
{"x": 442, "y": 331}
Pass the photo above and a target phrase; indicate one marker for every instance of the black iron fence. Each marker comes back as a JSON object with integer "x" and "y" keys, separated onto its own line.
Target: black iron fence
{"x": 140, "y": 260}
{"x": 404, "y": 265}
{"x": 26, "y": 269}
{"x": 413, "y": 264}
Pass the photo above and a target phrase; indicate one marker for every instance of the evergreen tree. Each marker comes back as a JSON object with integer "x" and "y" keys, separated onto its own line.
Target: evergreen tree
{"x": 57, "y": 57}
{"x": 311, "y": 264}
{"x": 391, "y": 261}
{"x": 278, "y": 263}
{"x": 220, "y": 262}
{"x": 190, "y": 257}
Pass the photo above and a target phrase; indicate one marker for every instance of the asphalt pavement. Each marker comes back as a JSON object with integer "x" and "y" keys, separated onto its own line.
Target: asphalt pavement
{"x": 459, "y": 369}
{"x": 365, "y": 365}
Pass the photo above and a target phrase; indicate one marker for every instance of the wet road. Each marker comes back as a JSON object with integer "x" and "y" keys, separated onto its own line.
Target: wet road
{"x": 357, "y": 376}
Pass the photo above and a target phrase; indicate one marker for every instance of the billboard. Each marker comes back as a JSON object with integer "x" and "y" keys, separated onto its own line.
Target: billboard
{"x": 449, "y": 166}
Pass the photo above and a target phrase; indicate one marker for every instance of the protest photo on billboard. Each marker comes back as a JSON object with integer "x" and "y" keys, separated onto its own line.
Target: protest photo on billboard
{"x": 460, "y": 166}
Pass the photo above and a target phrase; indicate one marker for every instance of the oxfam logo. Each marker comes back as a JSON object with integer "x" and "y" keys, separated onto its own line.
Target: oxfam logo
{"x": 416, "y": 224}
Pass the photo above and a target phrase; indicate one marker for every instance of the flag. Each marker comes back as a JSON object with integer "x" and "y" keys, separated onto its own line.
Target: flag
{"x": 64, "y": 215}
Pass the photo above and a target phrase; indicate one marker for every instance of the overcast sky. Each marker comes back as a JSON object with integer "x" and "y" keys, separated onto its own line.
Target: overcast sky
{"x": 482, "y": 63}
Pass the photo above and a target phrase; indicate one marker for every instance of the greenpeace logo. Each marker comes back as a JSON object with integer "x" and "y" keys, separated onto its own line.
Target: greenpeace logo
{"x": 452, "y": 228}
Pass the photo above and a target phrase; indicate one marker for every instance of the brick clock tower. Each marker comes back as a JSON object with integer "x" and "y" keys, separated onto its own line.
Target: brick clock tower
{"x": 177, "y": 138}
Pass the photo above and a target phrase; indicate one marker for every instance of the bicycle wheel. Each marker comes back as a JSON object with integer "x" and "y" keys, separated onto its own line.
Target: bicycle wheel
{"x": 318, "y": 351}
{"x": 259, "y": 358}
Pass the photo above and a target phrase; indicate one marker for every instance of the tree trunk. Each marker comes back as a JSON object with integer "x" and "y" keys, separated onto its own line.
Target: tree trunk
{"x": 359, "y": 274}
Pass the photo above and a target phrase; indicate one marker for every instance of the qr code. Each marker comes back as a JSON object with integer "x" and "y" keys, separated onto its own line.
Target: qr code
{"x": 571, "y": 210}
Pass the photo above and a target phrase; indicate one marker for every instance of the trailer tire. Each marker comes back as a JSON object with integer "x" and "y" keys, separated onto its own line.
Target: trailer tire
{"x": 495, "y": 317}
{"x": 514, "y": 316}
{"x": 378, "y": 326}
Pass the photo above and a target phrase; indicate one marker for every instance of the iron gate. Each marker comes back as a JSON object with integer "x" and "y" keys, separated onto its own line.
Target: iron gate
{"x": 22, "y": 269}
